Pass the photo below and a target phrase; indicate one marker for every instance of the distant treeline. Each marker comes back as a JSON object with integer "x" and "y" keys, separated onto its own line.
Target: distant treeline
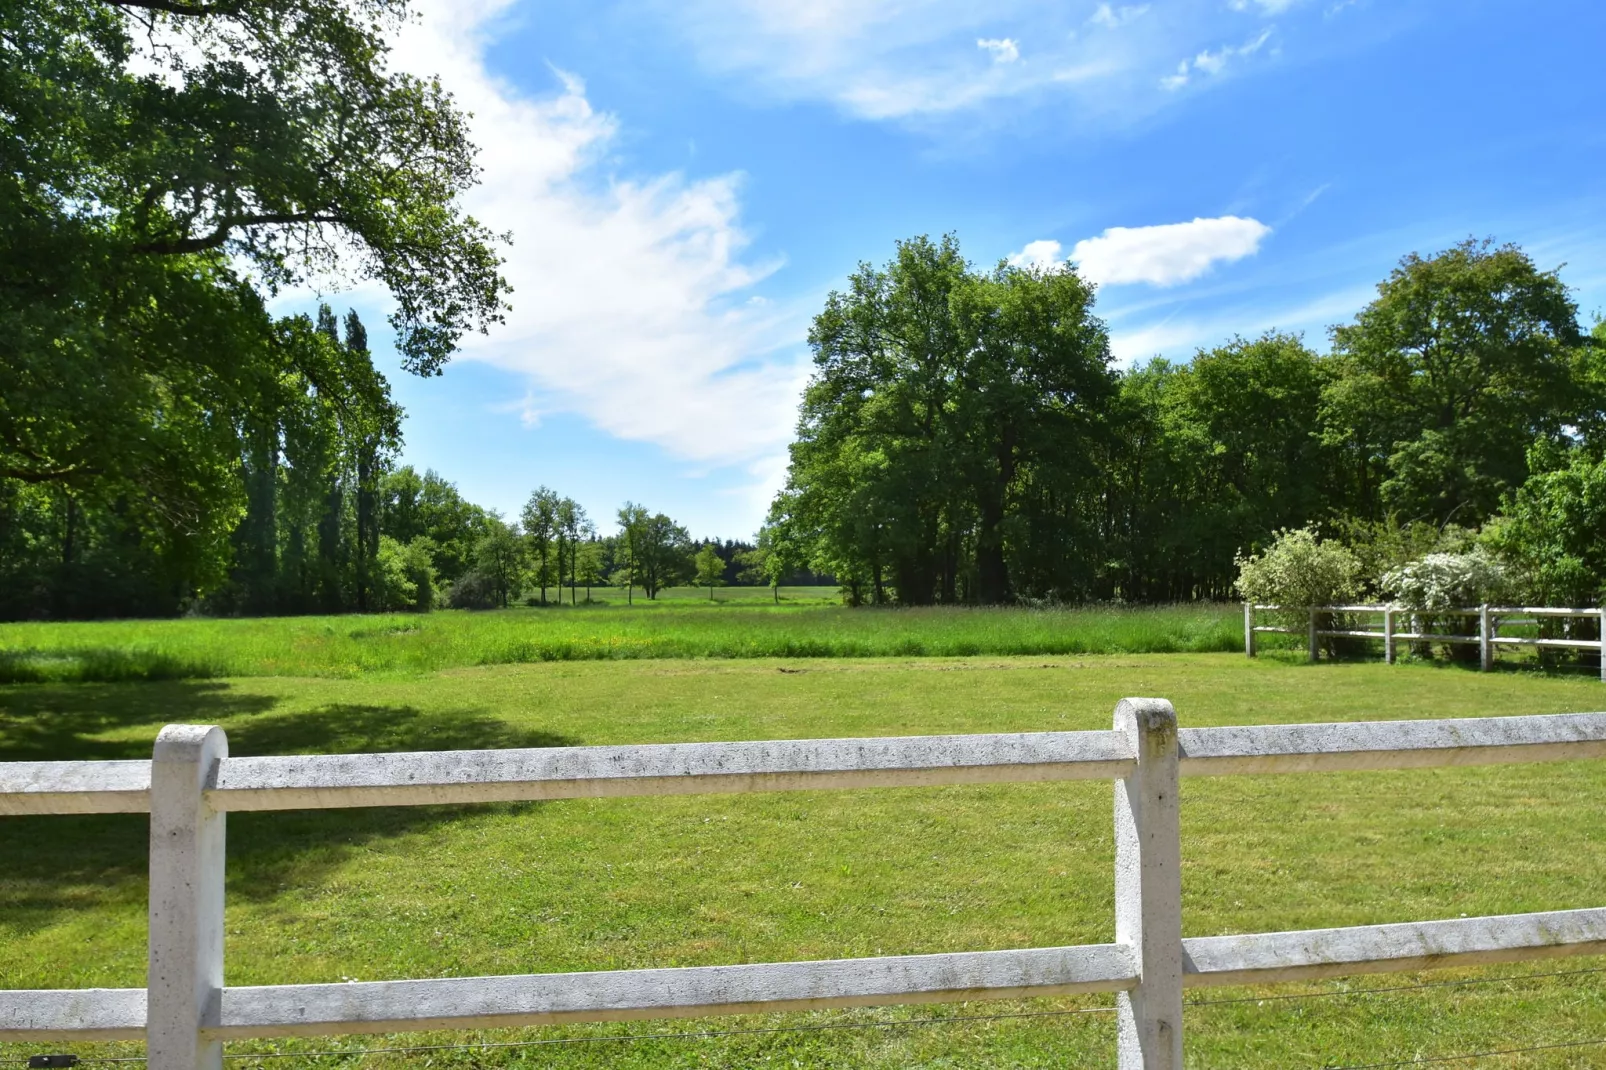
{"x": 330, "y": 524}
{"x": 966, "y": 439}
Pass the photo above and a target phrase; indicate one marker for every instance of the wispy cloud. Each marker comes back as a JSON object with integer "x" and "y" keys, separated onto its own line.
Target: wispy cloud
{"x": 1213, "y": 63}
{"x": 1269, "y": 7}
{"x": 1002, "y": 49}
{"x": 632, "y": 301}
{"x": 1179, "y": 336}
{"x": 923, "y": 60}
{"x": 1114, "y": 17}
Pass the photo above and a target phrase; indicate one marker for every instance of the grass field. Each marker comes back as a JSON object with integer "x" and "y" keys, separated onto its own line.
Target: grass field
{"x": 787, "y": 596}
{"x": 578, "y": 885}
{"x": 350, "y": 646}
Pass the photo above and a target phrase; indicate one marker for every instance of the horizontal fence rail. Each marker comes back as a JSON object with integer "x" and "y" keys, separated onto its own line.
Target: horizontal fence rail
{"x": 309, "y": 782}
{"x": 187, "y": 1012}
{"x": 622, "y": 995}
{"x": 1488, "y": 638}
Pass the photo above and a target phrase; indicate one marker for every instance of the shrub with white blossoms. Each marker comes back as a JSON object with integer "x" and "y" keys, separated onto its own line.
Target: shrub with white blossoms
{"x": 1449, "y": 581}
{"x": 1299, "y": 569}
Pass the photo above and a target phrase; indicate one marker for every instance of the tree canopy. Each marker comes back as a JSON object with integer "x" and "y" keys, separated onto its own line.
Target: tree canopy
{"x": 948, "y": 424}
{"x": 964, "y": 437}
{"x": 168, "y": 167}
{"x": 1443, "y": 382}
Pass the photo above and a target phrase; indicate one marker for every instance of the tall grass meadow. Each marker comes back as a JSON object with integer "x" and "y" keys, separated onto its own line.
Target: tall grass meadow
{"x": 353, "y": 645}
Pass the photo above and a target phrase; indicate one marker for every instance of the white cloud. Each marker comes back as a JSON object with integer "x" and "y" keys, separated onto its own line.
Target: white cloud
{"x": 1112, "y": 18}
{"x": 921, "y": 61}
{"x": 1169, "y": 254}
{"x": 1213, "y": 63}
{"x": 632, "y": 297}
{"x": 1042, "y": 255}
{"x": 1003, "y": 49}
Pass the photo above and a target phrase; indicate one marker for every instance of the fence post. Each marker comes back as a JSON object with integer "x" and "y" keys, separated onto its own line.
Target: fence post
{"x": 1603, "y": 644}
{"x": 1485, "y": 645}
{"x": 1388, "y": 636}
{"x": 1313, "y": 648}
{"x": 185, "y": 981}
{"x": 1249, "y": 629}
{"x": 1148, "y": 888}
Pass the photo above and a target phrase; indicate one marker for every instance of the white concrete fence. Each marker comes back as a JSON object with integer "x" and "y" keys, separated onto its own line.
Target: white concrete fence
{"x": 191, "y": 784}
{"x": 1488, "y": 640}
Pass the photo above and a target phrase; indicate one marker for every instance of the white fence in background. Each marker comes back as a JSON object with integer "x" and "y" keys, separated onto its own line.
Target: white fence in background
{"x": 1488, "y": 638}
{"x": 187, "y": 1012}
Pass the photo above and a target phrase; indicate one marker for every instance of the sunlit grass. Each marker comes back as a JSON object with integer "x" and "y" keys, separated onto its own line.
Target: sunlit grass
{"x": 599, "y": 884}
{"x": 356, "y": 645}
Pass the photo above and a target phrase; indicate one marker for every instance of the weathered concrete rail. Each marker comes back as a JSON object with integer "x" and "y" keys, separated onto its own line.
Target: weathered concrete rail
{"x": 319, "y": 781}
{"x": 191, "y": 783}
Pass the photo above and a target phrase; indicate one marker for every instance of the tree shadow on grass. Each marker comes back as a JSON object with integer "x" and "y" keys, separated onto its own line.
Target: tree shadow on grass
{"x": 103, "y": 664}
{"x": 64, "y": 722}
{"x": 60, "y": 863}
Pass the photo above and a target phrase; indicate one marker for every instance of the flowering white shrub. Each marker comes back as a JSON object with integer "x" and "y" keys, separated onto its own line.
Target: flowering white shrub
{"x": 1299, "y": 569}
{"x": 1447, "y": 581}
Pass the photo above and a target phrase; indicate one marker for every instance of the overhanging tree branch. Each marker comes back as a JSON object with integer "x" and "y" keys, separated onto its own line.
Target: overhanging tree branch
{"x": 179, "y": 246}
{"x": 173, "y": 8}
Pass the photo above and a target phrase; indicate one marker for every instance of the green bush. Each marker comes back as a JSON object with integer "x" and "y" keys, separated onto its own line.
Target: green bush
{"x": 1553, "y": 531}
{"x": 404, "y": 576}
{"x": 1382, "y": 546}
{"x": 473, "y": 590}
{"x": 1299, "y": 570}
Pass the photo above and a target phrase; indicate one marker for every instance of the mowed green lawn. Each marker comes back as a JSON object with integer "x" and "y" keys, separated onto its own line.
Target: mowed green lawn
{"x": 584, "y": 885}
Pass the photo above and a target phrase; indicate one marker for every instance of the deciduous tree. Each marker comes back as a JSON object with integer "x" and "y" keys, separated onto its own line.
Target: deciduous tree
{"x": 1444, "y": 380}
{"x": 710, "y": 568}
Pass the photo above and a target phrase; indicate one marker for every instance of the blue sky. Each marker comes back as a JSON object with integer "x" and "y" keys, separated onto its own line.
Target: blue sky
{"x": 685, "y": 181}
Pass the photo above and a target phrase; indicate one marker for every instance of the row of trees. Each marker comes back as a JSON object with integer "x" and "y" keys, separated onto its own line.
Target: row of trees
{"x": 555, "y": 545}
{"x": 302, "y": 466}
{"x": 965, "y": 437}
{"x": 340, "y": 528}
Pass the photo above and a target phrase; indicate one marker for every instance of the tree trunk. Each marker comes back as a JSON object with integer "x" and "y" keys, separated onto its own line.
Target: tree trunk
{"x": 992, "y": 571}
{"x": 69, "y": 536}
{"x": 329, "y": 556}
{"x": 367, "y": 526}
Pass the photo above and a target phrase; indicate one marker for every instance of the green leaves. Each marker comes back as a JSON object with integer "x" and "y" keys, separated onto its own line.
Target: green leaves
{"x": 1443, "y": 381}
{"x": 167, "y": 165}
{"x": 949, "y": 413}
{"x": 1554, "y": 530}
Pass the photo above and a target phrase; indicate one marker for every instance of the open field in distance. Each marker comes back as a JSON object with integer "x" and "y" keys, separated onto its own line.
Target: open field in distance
{"x": 786, "y": 596}
{"x": 595, "y": 884}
